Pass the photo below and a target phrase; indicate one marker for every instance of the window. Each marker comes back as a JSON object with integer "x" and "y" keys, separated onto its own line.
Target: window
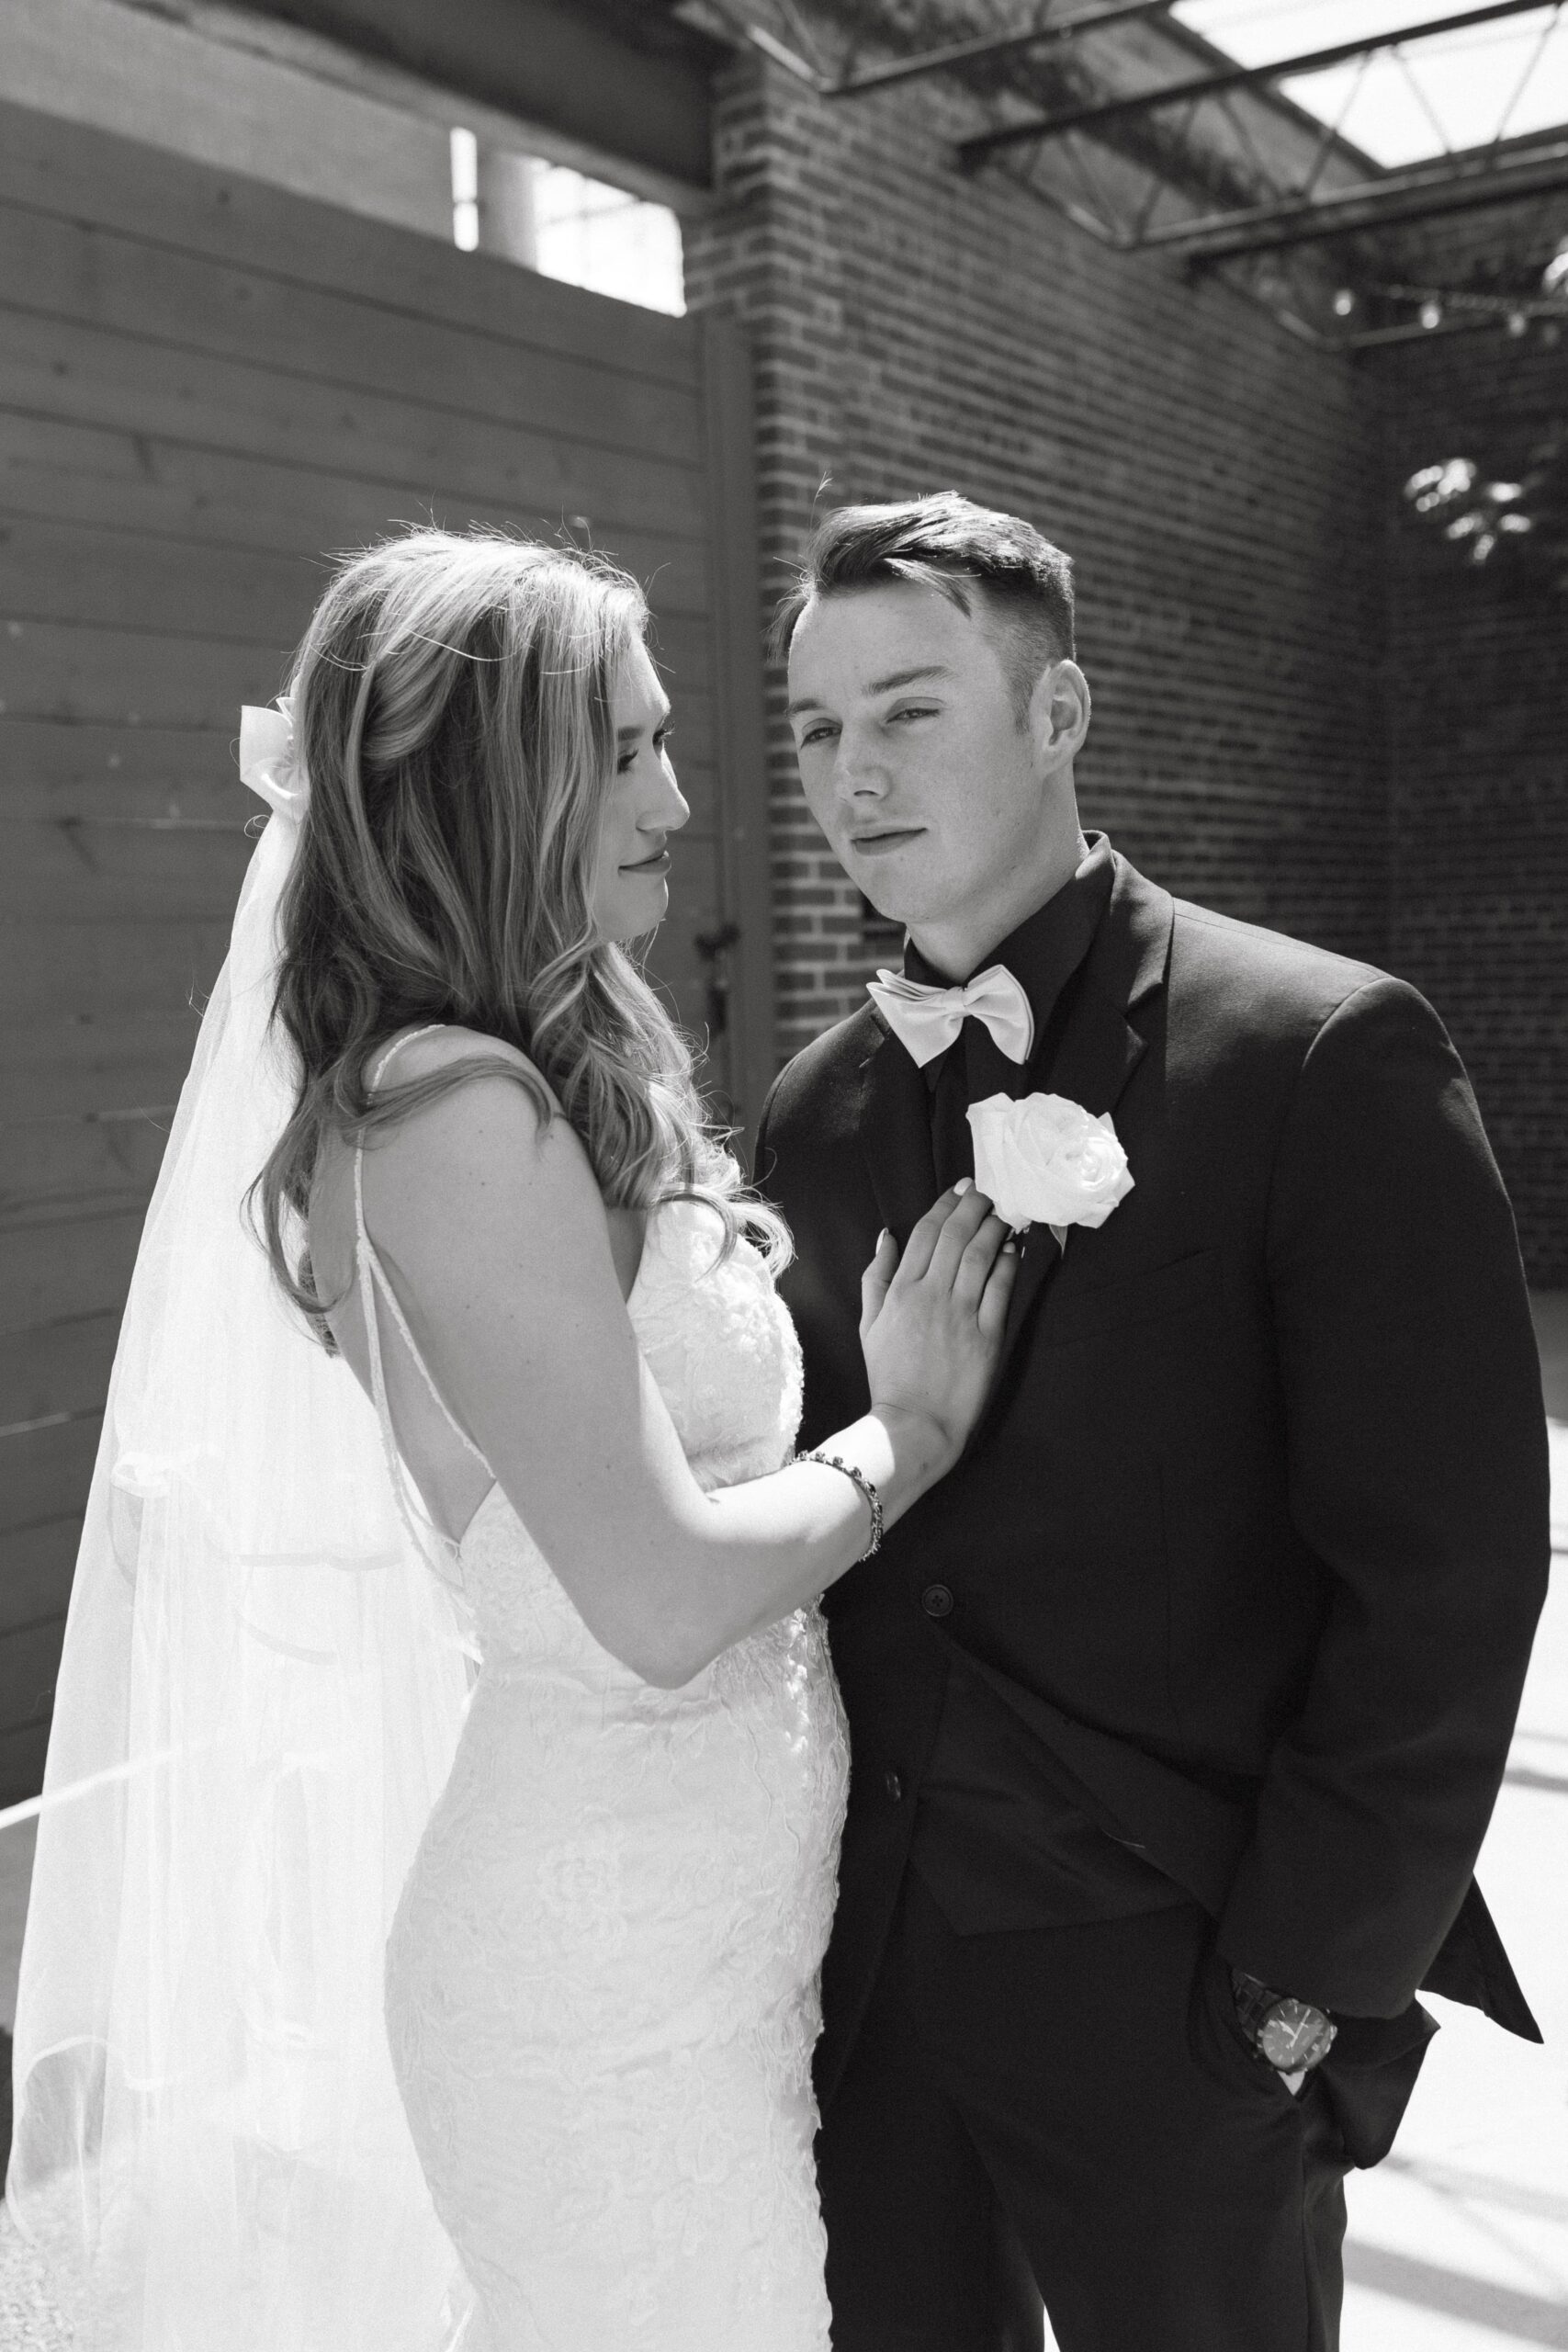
{"x": 558, "y": 220}
{"x": 601, "y": 237}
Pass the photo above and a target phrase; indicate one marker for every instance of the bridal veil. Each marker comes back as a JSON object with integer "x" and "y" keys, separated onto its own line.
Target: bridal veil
{"x": 261, "y": 1690}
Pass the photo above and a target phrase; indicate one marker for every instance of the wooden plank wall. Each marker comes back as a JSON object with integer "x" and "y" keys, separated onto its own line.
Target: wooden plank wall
{"x": 204, "y": 383}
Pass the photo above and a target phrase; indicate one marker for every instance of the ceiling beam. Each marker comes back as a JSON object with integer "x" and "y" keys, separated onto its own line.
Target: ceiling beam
{"x": 1467, "y": 184}
{"x": 983, "y": 49}
{"x": 972, "y": 152}
{"x": 626, "y": 83}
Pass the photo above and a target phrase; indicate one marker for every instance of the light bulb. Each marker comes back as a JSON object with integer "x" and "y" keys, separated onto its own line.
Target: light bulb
{"x": 1431, "y": 313}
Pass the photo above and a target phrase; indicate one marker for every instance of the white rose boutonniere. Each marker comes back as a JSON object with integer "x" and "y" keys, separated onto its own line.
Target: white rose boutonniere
{"x": 1047, "y": 1160}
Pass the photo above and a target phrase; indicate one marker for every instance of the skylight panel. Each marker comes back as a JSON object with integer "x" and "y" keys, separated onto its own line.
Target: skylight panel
{"x": 1462, "y": 89}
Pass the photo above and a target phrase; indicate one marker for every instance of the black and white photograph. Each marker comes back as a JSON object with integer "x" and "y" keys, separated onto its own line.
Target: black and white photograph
{"x": 784, "y": 1220}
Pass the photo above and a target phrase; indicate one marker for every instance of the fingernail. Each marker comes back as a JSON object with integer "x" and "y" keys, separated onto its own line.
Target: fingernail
{"x": 885, "y": 1234}
{"x": 1009, "y": 1249}
{"x": 964, "y": 1184}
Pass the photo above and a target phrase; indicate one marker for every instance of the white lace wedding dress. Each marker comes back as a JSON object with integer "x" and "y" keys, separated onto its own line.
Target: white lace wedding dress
{"x": 601, "y": 1978}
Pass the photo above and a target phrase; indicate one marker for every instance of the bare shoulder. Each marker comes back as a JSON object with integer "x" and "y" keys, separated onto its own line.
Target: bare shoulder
{"x": 498, "y": 1098}
{"x": 494, "y": 1148}
{"x": 430, "y": 1053}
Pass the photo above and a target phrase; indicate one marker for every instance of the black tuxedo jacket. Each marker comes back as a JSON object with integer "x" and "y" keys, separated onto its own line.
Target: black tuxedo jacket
{"x": 1254, "y": 1532}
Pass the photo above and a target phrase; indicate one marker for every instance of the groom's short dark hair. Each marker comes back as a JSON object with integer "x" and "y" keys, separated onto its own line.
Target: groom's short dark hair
{"x": 948, "y": 543}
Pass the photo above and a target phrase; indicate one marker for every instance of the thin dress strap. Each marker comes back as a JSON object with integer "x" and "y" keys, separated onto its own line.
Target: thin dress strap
{"x": 374, "y": 1285}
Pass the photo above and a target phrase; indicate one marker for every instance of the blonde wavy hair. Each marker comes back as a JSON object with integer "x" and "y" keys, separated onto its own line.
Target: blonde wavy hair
{"x": 452, "y": 704}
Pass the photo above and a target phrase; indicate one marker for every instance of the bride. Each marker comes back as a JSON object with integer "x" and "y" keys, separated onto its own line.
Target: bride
{"x": 602, "y": 1880}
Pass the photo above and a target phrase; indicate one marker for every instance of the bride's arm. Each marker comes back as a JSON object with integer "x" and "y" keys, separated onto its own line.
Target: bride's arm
{"x": 493, "y": 1228}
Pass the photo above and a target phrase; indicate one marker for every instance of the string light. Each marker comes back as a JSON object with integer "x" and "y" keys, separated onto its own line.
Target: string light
{"x": 1437, "y": 306}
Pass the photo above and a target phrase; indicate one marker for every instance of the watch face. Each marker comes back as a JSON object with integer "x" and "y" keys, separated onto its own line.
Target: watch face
{"x": 1294, "y": 2035}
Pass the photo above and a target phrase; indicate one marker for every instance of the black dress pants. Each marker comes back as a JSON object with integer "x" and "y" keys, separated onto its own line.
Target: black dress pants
{"x": 1071, "y": 2113}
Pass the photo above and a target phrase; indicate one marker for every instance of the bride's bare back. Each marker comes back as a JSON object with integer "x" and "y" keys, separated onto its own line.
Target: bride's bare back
{"x": 495, "y": 1246}
{"x": 451, "y": 1482}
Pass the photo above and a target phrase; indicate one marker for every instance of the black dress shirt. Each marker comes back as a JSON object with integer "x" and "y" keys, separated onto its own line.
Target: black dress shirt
{"x": 999, "y": 1841}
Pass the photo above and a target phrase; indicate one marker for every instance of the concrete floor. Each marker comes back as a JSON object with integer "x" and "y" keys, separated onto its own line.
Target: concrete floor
{"x": 1459, "y": 2243}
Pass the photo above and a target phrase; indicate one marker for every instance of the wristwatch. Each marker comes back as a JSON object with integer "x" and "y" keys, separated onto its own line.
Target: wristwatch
{"x": 1289, "y": 2035}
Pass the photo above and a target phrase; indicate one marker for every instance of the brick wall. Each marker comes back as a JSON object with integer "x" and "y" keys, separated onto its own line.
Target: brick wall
{"x": 1477, "y": 716}
{"x": 916, "y": 330}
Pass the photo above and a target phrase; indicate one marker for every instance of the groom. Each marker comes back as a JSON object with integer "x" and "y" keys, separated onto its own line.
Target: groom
{"x": 1178, "y": 1710}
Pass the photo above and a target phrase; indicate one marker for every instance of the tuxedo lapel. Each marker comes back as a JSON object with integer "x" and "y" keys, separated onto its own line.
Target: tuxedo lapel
{"x": 1099, "y": 1050}
{"x": 894, "y": 1127}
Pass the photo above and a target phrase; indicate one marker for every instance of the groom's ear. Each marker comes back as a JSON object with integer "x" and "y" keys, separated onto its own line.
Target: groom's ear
{"x": 1059, "y": 713}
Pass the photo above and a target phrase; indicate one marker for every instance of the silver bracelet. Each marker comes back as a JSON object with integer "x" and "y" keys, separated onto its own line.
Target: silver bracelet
{"x": 832, "y": 1462}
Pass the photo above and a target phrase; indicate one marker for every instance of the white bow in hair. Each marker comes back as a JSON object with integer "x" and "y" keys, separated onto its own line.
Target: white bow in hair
{"x": 269, "y": 761}
{"x": 926, "y": 1020}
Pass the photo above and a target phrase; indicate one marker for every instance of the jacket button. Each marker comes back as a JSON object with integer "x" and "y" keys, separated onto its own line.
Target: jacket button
{"x": 936, "y": 1601}
{"x": 893, "y": 1785}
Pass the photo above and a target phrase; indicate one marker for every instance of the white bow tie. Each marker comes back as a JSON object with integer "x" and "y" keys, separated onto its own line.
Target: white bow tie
{"x": 926, "y": 1020}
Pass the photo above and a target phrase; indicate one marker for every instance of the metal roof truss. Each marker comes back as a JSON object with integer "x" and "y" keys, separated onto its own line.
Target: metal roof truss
{"x": 1276, "y": 200}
